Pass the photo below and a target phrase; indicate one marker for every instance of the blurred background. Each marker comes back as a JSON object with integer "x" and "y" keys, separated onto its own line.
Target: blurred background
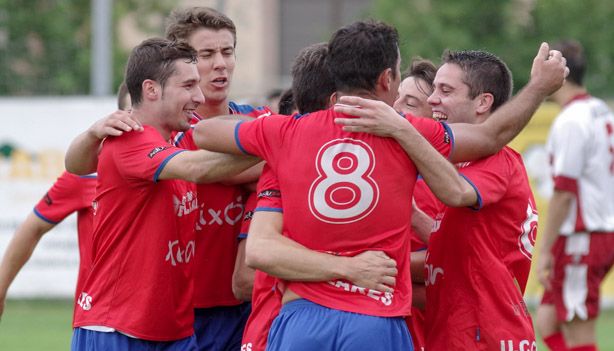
{"x": 61, "y": 62}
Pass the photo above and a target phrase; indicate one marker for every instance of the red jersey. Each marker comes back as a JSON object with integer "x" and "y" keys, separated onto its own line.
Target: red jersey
{"x": 141, "y": 278}
{"x": 338, "y": 186}
{"x": 266, "y": 299}
{"x": 71, "y": 193}
{"x": 478, "y": 262}
{"x": 219, "y": 221}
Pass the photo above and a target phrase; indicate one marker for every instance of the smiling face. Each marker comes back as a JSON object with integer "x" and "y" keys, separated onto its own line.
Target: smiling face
{"x": 450, "y": 99}
{"x": 216, "y": 62}
{"x": 180, "y": 96}
{"x": 413, "y": 93}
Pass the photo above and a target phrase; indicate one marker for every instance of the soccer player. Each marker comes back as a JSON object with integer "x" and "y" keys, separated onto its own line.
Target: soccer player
{"x": 478, "y": 261}
{"x": 335, "y": 196}
{"x": 138, "y": 294}
{"x": 220, "y": 312}
{"x": 577, "y": 248}
{"x": 414, "y": 91}
{"x": 70, "y": 193}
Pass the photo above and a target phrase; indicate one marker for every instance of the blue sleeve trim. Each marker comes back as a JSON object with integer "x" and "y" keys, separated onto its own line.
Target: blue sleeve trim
{"x": 479, "y": 205}
{"x": 449, "y": 131}
{"x": 242, "y": 236}
{"x": 161, "y": 167}
{"x": 237, "y": 141}
{"x": 422, "y": 248}
{"x": 90, "y": 176}
{"x": 39, "y": 215}
{"x": 269, "y": 209}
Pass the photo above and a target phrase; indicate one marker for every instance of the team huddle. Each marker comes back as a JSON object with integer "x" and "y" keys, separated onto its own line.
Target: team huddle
{"x": 375, "y": 211}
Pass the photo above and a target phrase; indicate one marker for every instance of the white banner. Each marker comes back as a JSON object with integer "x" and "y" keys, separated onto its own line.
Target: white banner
{"x": 38, "y": 131}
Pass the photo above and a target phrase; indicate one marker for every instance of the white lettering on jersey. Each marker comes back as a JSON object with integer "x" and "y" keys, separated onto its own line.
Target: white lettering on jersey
{"x": 178, "y": 255}
{"x": 186, "y": 205}
{"x": 85, "y": 301}
{"x": 344, "y": 191}
{"x": 523, "y": 345}
{"x": 431, "y": 272}
{"x": 528, "y": 233}
{"x": 246, "y": 347}
{"x": 231, "y": 214}
{"x": 385, "y": 298}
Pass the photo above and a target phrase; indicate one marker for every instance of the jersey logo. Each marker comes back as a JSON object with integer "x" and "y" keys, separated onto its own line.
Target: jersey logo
{"x": 528, "y": 232}
{"x": 156, "y": 150}
{"x": 269, "y": 193}
{"x": 344, "y": 191}
{"x": 85, "y": 301}
{"x": 48, "y": 199}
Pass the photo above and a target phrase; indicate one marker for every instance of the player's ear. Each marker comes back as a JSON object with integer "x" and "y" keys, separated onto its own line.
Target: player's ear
{"x": 484, "y": 102}
{"x": 384, "y": 80}
{"x": 151, "y": 89}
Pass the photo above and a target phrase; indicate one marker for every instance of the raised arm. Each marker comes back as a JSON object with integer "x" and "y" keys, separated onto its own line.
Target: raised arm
{"x": 82, "y": 155}
{"x": 474, "y": 141}
{"x": 218, "y": 134}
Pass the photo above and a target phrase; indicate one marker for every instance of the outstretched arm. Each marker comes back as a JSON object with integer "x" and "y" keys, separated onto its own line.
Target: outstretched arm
{"x": 268, "y": 250}
{"x": 82, "y": 155}
{"x": 19, "y": 251}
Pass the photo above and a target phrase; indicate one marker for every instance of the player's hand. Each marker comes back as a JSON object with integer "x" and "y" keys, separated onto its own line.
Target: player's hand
{"x": 115, "y": 124}
{"x": 373, "y": 270}
{"x": 545, "y": 265}
{"x": 549, "y": 70}
{"x": 372, "y": 116}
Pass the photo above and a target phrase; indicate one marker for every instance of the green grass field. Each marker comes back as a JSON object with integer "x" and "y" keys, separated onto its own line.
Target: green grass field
{"x": 34, "y": 325}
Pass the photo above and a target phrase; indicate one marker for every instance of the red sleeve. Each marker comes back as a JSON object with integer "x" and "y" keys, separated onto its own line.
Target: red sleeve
{"x": 69, "y": 193}
{"x": 143, "y": 155}
{"x": 261, "y": 136}
{"x": 269, "y": 194}
{"x": 437, "y": 133}
{"x": 489, "y": 176}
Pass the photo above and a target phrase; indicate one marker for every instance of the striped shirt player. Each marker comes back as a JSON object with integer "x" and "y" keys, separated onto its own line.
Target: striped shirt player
{"x": 478, "y": 262}
{"x": 347, "y": 183}
{"x": 581, "y": 151}
{"x": 220, "y": 317}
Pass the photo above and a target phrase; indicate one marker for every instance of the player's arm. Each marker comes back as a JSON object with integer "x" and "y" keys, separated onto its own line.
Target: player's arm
{"x": 19, "y": 250}
{"x": 218, "y": 134}
{"x": 242, "y": 276}
{"x": 439, "y": 174}
{"x": 204, "y": 166}
{"x": 268, "y": 250}
{"x": 471, "y": 141}
{"x": 421, "y": 223}
{"x": 82, "y": 155}
{"x": 558, "y": 209}
{"x": 474, "y": 141}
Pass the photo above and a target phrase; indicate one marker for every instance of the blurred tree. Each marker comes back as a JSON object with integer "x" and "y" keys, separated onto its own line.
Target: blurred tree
{"x": 45, "y": 44}
{"x": 511, "y": 29}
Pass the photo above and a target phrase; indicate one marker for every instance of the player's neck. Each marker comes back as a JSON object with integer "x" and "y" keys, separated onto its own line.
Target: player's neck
{"x": 213, "y": 109}
{"x": 567, "y": 93}
{"x": 150, "y": 118}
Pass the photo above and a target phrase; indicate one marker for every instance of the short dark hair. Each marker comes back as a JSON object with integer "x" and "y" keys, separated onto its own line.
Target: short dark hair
{"x": 154, "y": 59}
{"x": 484, "y": 73}
{"x": 312, "y": 82}
{"x": 573, "y": 52}
{"x": 422, "y": 69}
{"x": 182, "y": 23}
{"x": 360, "y": 52}
{"x": 286, "y": 104}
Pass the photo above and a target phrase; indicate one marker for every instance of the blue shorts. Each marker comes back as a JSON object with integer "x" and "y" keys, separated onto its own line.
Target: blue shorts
{"x": 304, "y": 325}
{"x": 90, "y": 340}
{"x": 220, "y": 328}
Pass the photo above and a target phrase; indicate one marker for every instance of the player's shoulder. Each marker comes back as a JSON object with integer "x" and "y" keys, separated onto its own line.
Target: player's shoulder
{"x": 249, "y": 110}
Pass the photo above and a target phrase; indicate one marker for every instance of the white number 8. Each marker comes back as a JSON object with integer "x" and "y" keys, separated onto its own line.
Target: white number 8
{"x": 344, "y": 192}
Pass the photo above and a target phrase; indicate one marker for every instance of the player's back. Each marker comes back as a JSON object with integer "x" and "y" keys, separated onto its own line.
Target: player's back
{"x": 344, "y": 193}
